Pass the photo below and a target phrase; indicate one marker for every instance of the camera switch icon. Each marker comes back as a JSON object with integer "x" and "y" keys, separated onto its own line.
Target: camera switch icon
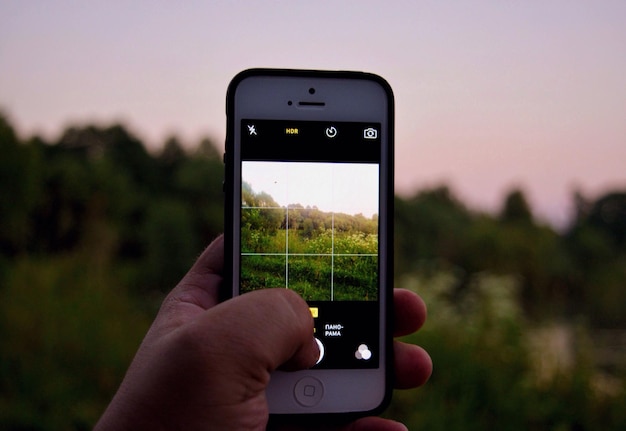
{"x": 370, "y": 133}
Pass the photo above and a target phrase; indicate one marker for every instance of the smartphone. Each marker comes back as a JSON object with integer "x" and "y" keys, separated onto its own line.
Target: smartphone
{"x": 309, "y": 195}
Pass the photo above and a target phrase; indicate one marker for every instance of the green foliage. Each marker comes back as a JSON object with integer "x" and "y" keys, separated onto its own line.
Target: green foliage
{"x": 94, "y": 228}
{"x": 198, "y": 185}
{"x": 353, "y": 275}
{"x": 609, "y": 215}
{"x": 429, "y": 226}
{"x": 493, "y": 369}
{"x": 597, "y": 245}
{"x": 68, "y": 332}
{"x": 170, "y": 244}
{"x": 516, "y": 208}
{"x": 485, "y": 279}
{"x": 54, "y": 194}
{"x": 580, "y": 272}
{"x": 20, "y": 188}
{"x": 321, "y": 255}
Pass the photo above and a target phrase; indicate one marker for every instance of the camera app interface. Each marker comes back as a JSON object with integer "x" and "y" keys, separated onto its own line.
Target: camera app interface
{"x": 309, "y": 222}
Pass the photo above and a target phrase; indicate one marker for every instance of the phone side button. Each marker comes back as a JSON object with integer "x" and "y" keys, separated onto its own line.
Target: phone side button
{"x": 308, "y": 392}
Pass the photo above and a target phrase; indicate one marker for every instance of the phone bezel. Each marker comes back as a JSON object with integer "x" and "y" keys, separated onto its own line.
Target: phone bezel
{"x": 346, "y": 96}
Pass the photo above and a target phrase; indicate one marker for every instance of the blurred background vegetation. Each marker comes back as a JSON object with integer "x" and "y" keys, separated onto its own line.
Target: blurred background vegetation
{"x": 526, "y": 324}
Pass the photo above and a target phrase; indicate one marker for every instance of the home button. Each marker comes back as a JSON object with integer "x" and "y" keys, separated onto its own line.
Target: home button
{"x": 308, "y": 392}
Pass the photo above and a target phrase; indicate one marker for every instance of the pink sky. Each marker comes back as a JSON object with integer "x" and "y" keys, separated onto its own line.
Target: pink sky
{"x": 489, "y": 95}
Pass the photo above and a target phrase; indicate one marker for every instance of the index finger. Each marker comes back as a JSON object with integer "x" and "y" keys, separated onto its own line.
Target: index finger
{"x": 410, "y": 312}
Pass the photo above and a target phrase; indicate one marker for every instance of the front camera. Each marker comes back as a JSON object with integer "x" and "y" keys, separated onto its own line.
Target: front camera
{"x": 311, "y": 90}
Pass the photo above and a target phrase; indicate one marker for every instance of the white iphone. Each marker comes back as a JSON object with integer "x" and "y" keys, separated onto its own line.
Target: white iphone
{"x": 309, "y": 207}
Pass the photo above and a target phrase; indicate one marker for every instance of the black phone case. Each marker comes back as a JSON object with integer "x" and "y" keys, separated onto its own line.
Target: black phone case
{"x": 229, "y": 222}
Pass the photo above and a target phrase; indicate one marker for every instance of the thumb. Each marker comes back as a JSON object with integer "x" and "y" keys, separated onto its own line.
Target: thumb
{"x": 261, "y": 331}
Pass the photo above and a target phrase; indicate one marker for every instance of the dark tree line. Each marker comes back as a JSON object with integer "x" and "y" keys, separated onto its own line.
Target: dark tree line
{"x": 578, "y": 272}
{"x": 99, "y": 189}
{"x": 94, "y": 228}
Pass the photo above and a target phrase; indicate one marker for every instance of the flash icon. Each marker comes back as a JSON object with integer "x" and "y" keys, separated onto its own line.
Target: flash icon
{"x": 251, "y": 130}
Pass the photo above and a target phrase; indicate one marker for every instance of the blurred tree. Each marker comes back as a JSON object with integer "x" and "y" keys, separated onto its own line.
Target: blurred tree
{"x": 532, "y": 253}
{"x": 198, "y": 183}
{"x": 581, "y": 207}
{"x": 69, "y": 331}
{"x": 486, "y": 358}
{"x": 597, "y": 245}
{"x": 20, "y": 189}
{"x": 94, "y": 223}
{"x": 173, "y": 151}
{"x": 125, "y": 150}
{"x": 207, "y": 149}
{"x": 516, "y": 208}
{"x": 429, "y": 226}
{"x": 608, "y": 215}
{"x": 68, "y": 187}
{"x": 170, "y": 158}
{"x": 171, "y": 245}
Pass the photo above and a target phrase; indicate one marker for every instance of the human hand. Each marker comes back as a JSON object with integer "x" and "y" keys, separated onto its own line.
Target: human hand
{"x": 204, "y": 365}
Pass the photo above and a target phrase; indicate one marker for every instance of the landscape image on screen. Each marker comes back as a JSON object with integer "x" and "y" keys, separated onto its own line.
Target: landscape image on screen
{"x": 310, "y": 227}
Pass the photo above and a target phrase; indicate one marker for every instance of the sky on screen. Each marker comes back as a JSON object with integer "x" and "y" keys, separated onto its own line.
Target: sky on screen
{"x": 332, "y": 187}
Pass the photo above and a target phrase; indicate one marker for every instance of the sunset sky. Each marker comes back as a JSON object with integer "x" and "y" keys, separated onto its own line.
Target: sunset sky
{"x": 489, "y": 95}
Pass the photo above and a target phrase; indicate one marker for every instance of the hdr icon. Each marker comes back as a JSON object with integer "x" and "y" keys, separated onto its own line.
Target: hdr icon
{"x": 291, "y": 131}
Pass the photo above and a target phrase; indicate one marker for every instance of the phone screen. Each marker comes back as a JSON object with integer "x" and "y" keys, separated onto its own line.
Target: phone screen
{"x": 309, "y": 221}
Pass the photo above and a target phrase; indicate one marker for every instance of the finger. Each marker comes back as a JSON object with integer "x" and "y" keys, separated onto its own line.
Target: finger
{"x": 376, "y": 424}
{"x": 212, "y": 258}
{"x": 363, "y": 424}
{"x": 410, "y": 312}
{"x": 266, "y": 329}
{"x": 413, "y": 365}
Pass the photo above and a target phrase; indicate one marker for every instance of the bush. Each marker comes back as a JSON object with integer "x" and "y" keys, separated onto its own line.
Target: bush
{"x": 490, "y": 371}
{"x": 68, "y": 331}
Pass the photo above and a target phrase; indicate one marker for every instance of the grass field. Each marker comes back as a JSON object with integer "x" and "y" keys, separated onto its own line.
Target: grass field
{"x": 320, "y": 267}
